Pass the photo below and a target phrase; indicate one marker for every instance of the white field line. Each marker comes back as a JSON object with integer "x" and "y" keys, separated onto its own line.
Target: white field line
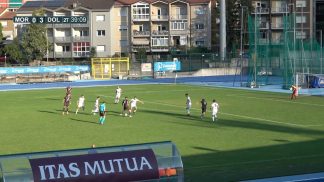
{"x": 235, "y": 115}
{"x": 277, "y": 100}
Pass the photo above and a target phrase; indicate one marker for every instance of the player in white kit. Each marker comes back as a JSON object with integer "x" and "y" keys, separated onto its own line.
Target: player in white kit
{"x": 214, "y": 108}
{"x": 80, "y": 104}
{"x": 133, "y": 103}
{"x": 188, "y": 104}
{"x": 96, "y": 106}
{"x": 118, "y": 94}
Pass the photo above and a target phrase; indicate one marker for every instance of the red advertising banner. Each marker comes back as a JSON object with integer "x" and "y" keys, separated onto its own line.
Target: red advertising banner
{"x": 102, "y": 167}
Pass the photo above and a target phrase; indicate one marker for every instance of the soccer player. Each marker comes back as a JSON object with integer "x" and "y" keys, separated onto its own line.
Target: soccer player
{"x": 126, "y": 110}
{"x": 203, "y": 108}
{"x": 102, "y": 113}
{"x": 118, "y": 94}
{"x": 214, "y": 107}
{"x": 294, "y": 93}
{"x": 96, "y": 106}
{"x": 66, "y": 103}
{"x": 188, "y": 104}
{"x": 133, "y": 103}
{"x": 80, "y": 104}
{"x": 68, "y": 90}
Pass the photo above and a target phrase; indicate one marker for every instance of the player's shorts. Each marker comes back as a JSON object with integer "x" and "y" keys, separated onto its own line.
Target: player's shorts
{"x": 203, "y": 110}
{"x": 118, "y": 95}
{"x": 102, "y": 113}
{"x": 214, "y": 112}
{"x": 188, "y": 106}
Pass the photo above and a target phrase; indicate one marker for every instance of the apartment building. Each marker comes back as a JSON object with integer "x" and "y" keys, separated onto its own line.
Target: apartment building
{"x": 115, "y": 27}
{"x": 161, "y": 26}
{"x": 270, "y": 15}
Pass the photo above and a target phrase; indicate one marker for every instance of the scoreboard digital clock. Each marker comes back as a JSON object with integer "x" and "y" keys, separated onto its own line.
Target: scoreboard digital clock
{"x": 50, "y": 19}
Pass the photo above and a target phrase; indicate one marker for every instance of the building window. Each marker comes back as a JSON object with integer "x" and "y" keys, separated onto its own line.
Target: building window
{"x": 81, "y": 49}
{"x": 66, "y": 48}
{"x": 101, "y": 48}
{"x": 300, "y": 19}
{"x": 160, "y": 41}
{"x": 141, "y": 11}
{"x": 123, "y": 28}
{"x": 101, "y": 33}
{"x": 178, "y": 25}
{"x": 123, "y": 43}
{"x": 200, "y": 43}
{"x": 300, "y": 35}
{"x": 199, "y": 26}
{"x": 200, "y": 10}
{"x": 100, "y": 18}
{"x": 84, "y": 33}
{"x": 123, "y": 11}
{"x": 300, "y": 4}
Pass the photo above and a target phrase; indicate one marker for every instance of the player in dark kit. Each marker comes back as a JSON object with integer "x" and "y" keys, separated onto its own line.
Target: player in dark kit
{"x": 66, "y": 104}
{"x": 126, "y": 108}
{"x": 203, "y": 108}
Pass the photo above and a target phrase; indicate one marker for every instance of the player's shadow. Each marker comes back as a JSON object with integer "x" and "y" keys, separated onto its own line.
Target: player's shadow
{"x": 52, "y": 99}
{"x": 178, "y": 115}
{"x": 115, "y": 113}
{"x": 50, "y": 112}
{"x": 84, "y": 121}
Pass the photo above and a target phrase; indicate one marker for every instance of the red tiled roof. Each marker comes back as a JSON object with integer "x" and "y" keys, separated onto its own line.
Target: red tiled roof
{"x": 8, "y": 15}
{"x": 2, "y": 9}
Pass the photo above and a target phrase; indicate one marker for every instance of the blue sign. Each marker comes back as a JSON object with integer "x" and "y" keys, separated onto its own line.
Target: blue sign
{"x": 42, "y": 69}
{"x": 167, "y": 66}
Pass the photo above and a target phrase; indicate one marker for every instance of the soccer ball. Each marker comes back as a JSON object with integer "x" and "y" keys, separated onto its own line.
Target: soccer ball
{"x": 126, "y": 114}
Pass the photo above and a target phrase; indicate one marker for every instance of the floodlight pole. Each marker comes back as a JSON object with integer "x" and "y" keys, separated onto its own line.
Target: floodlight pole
{"x": 321, "y": 42}
{"x": 294, "y": 22}
{"x": 242, "y": 34}
{"x": 255, "y": 44}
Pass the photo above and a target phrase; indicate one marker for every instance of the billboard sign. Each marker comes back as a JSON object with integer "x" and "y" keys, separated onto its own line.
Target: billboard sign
{"x": 42, "y": 69}
{"x": 116, "y": 166}
{"x": 167, "y": 66}
{"x": 146, "y": 67}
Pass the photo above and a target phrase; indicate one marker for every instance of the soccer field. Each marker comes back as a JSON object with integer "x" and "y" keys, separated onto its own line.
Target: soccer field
{"x": 257, "y": 135}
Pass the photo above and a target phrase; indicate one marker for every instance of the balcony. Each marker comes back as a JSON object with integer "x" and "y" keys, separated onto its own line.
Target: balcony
{"x": 63, "y": 39}
{"x": 160, "y": 18}
{"x": 141, "y": 17}
{"x": 135, "y": 48}
{"x": 277, "y": 26}
{"x": 141, "y": 42}
{"x": 279, "y": 10}
{"x": 160, "y": 33}
{"x": 179, "y": 17}
{"x": 260, "y": 11}
{"x": 80, "y": 24}
{"x": 141, "y": 33}
{"x": 264, "y": 25}
{"x": 66, "y": 25}
{"x": 81, "y": 39}
{"x": 160, "y": 48}
{"x": 66, "y": 54}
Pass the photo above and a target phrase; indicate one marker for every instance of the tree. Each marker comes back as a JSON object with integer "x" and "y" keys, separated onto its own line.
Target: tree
{"x": 1, "y": 35}
{"x": 93, "y": 52}
{"x": 233, "y": 20}
{"x": 34, "y": 40}
{"x": 14, "y": 51}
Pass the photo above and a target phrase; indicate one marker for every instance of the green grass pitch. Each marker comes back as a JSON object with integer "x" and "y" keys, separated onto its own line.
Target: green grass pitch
{"x": 258, "y": 134}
